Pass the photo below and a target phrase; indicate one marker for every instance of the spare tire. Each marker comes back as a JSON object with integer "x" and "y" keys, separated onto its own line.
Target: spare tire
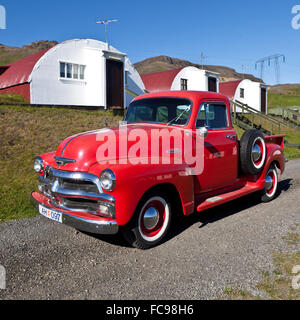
{"x": 253, "y": 152}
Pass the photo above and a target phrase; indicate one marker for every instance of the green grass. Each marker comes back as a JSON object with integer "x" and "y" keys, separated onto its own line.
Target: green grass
{"x": 12, "y": 99}
{"x": 284, "y": 100}
{"x": 30, "y": 131}
{"x": 10, "y": 58}
{"x": 275, "y": 285}
{"x": 292, "y": 136}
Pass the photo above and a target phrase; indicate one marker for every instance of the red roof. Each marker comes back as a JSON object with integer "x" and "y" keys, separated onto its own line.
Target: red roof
{"x": 19, "y": 71}
{"x": 159, "y": 81}
{"x": 228, "y": 89}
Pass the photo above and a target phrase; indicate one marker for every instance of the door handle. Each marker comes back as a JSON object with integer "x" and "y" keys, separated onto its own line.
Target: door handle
{"x": 231, "y": 137}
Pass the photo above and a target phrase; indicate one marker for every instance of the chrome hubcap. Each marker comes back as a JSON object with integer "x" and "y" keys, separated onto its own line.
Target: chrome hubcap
{"x": 151, "y": 218}
{"x": 256, "y": 153}
{"x": 269, "y": 183}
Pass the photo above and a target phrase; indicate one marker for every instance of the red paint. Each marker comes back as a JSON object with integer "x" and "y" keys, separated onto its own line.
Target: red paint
{"x": 22, "y": 90}
{"x": 221, "y": 176}
{"x": 19, "y": 71}
{"x": 272, "y": 175}
{"x": 15, "y": 76}
{"x": 159, "y": 81}
{"x": 228, "y": 88}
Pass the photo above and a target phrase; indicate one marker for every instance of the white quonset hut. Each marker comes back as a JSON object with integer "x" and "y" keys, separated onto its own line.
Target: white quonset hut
{"x": 188, "y": 78}
{"x": 80, "y": 72}
{"x": 249, "y": 92}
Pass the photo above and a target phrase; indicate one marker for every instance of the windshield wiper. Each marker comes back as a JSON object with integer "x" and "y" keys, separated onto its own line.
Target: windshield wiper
{"x": 178, "y": 117}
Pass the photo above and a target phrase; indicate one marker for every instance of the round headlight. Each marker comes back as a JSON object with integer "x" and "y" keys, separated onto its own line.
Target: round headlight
{"x": 108, "y": 180}
{"x": 38, "y": 165}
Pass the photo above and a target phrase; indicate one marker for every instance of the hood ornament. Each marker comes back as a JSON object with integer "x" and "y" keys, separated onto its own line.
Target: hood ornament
{"x": 63, "y": 161}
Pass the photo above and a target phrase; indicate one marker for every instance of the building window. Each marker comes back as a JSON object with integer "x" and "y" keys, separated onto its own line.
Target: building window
{"x": 72, "y": 71}
{"x": 75, "y": 71}
{"x": 69, "y": 70}
{"x": 62, "y": 70}
{"x": 82, "y": 72}
{"x": 242, "y": 93}
{"x": 184, "y": 84}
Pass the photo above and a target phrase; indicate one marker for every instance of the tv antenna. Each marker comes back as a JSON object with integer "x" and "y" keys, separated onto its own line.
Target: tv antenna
{"x": 106, "y": 22}
{"x": 276, "y": 58}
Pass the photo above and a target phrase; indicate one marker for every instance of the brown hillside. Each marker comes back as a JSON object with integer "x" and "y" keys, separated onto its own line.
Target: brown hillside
{"x": 11, "y": 54}
{"x": 162, "y": 63}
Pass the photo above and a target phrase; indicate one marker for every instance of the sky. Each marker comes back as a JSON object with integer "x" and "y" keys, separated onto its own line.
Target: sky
{"x": 230, "y": 33}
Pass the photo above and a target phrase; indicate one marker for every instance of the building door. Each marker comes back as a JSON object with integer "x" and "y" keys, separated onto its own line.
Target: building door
{"x": 115, "y": 84}
{"x": 212, "y": 84}
{"x": 263, "y": 100}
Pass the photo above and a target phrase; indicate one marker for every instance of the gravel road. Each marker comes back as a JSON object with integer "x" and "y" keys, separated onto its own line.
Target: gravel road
{"x": 229, "y": 246}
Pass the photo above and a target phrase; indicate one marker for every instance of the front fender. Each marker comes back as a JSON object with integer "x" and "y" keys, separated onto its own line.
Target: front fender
{"x": 133, "y": 181}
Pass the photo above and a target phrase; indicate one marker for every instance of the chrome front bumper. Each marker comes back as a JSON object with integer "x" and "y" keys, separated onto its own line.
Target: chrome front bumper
{"x": 75, "y": 191}
{"x": 100, "y": 226}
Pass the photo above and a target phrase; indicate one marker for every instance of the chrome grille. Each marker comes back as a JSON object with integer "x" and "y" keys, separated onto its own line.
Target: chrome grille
{"x": 86, "y": 186}
{"x": 76, "y": 191}
{"x": 80, "y": 204}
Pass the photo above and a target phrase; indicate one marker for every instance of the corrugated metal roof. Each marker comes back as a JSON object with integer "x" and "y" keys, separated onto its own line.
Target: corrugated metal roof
{"x": 228, "y": 88}
{"x": 160, "y": 81}
{"x": 19, "y": 71}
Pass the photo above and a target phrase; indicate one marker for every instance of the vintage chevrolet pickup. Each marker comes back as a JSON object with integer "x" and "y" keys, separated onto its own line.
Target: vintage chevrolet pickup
{"x": 175, "y": 153}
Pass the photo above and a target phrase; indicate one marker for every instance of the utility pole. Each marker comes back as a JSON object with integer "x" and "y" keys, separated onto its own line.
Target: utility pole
{"x": 243, "y": 68}
{"x": 276, "y": 58}
{"x": 106, "y": 22}
{"x": 203, "y": 57}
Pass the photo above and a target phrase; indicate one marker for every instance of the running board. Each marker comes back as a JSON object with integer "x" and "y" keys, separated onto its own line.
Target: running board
{"x": 226, "y": 197}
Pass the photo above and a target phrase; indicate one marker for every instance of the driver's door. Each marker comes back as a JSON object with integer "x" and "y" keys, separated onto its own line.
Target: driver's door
{"x": 220, "y": 147}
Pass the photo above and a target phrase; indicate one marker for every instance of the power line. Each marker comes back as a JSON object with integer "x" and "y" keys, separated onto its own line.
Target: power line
{"x": 276, "y": 58}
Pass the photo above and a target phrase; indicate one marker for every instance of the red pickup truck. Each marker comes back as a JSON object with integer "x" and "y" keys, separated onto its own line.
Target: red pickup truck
{"x": 175, "y": 153}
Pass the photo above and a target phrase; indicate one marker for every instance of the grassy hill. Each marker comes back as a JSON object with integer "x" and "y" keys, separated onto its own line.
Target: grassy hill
{"x": 11, "y": 54}
{"x": 30, "y": 131}
{"x": 289, "y": 96}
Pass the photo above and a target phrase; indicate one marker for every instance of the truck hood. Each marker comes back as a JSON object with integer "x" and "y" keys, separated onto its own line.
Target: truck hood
{"x": 86, "y": 148}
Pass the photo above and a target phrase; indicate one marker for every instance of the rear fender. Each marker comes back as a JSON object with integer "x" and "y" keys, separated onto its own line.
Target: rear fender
{"x": 275, "y": 154}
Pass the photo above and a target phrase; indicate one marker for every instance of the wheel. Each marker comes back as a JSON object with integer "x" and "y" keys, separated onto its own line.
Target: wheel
{"x": 253, "y": 152}
{"x": 150, "y": 223}
{"x": 271, "y": 186}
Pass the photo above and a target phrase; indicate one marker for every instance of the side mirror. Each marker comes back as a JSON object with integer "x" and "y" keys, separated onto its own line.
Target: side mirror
{"x": 202, "y": 132}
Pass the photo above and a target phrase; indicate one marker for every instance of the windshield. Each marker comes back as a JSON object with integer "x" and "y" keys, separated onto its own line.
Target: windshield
{"x": 175, "y": 111}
